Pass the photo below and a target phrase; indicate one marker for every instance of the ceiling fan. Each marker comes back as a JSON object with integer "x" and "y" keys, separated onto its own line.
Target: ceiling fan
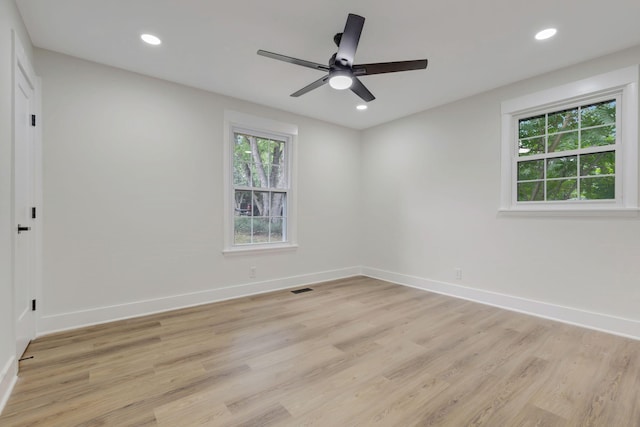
{"x": 342, "y": 72}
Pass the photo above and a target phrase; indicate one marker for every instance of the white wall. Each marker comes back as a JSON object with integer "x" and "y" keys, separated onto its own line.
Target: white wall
{"x": 431, "y": 188}
{"x": 133, "y": 196}
{"x": 9, "y": 20}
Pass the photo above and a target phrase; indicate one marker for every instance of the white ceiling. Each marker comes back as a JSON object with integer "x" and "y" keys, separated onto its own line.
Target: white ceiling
{"x": 472, "y": 45}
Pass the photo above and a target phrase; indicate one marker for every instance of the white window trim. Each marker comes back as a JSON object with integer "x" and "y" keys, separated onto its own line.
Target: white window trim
{"x": 623, "y": 81}
{"x": 235, "y": 120}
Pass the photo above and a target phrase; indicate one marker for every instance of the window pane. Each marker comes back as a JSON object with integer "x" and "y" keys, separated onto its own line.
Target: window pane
{"x": 278, "y": 206}
{"x": 563, "y": 142}
{"x": 598, "y": 163}
{"x": 241, "y": 161}
{"x": 242, "y": 147}
{"x": 533, "y": 169}
{"x": 601, "y": 113}
{"x": 260, "y": 175}
{"x": 562, "y": 189}
{"x": 563, "y": 120}
{"x": 598, "y": 188}
{"x": 531, "y": 146}
{"x": 242, "y": 201}
{"x": 531, "y": 191}
{"x": 260, "y": 230}
{"x": 261, "y": 203}
{"x": 596, "y": 137}
{"x": 561, "y": 167}
{"x": 277, "y": 227}
{"x": 531, "y": 126}
{"x": 277, "y": 153}
{"x": 264, "y": 148}
{"x": 277, "y": 177}
{"x": 242, "y": 230}
{"x": 241, "y": 173}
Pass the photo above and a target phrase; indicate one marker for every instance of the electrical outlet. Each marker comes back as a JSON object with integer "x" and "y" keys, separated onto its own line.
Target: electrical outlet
{"x": 458, "y": 274}
{"x": 252, "y": 272}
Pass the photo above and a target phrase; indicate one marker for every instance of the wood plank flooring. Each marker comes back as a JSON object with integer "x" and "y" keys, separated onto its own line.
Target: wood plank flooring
{"x": 354, "y": 352}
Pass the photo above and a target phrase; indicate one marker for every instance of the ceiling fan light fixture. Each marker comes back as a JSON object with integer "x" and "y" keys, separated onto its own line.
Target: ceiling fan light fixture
{"x": 340, "y": 81}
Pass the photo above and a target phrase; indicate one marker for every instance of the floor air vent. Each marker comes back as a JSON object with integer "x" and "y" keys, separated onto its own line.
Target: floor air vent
{"x": 299, "y": 291}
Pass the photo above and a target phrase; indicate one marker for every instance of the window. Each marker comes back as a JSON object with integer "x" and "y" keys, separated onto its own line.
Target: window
{"x": 573, "y": 148}
{"x": 260, "y": 187}
{"x": 259, "y": 199}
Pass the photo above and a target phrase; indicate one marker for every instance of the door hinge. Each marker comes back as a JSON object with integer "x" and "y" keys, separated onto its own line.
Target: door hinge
{"x": 33, "y": 120}
{"x": 33, "y": 305}
{"x": 33, "y": 213}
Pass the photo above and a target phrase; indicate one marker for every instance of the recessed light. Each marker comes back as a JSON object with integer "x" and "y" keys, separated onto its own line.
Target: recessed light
{"x": 546, "y": 34}
{"x": 362, "y": 107}
{"x": 151, "y": 39}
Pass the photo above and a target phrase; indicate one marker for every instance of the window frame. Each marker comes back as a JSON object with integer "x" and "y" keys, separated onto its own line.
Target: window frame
{"x": 622, "y": 85}
{"x": 236, "y": 122}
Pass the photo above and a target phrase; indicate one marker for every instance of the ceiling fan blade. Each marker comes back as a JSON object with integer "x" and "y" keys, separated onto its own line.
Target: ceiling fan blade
{"x": 389, "y": 67}
{"x": 295, "y": 61}
{"x": 349, "y": 41}
{"x": 359, "y": 89}
{"x": 312, "y": 86}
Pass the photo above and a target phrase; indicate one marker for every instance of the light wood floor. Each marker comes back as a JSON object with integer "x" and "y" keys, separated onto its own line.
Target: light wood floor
{"x": 352, "y": 352}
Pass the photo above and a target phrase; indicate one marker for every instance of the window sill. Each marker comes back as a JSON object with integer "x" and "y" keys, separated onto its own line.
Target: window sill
{"x": 249, "y": 250}
{"x": 570, "y": 212}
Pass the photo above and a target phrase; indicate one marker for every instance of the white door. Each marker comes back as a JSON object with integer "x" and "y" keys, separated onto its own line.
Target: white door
{"x": 24, "y": 170}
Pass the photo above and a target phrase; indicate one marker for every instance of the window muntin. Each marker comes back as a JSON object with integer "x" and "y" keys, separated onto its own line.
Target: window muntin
{"x": 568, "y": 154}
{"x": 261, "y": 186}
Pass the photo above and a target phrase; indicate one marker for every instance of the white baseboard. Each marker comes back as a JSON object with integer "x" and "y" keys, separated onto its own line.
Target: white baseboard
{"x": 602, "y": 322}
{"x": 8, "y": 378}
{"x": 77, "y": 319}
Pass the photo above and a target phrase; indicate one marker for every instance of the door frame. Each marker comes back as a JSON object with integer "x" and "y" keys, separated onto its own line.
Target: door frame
{"x": 22, "y": 64}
